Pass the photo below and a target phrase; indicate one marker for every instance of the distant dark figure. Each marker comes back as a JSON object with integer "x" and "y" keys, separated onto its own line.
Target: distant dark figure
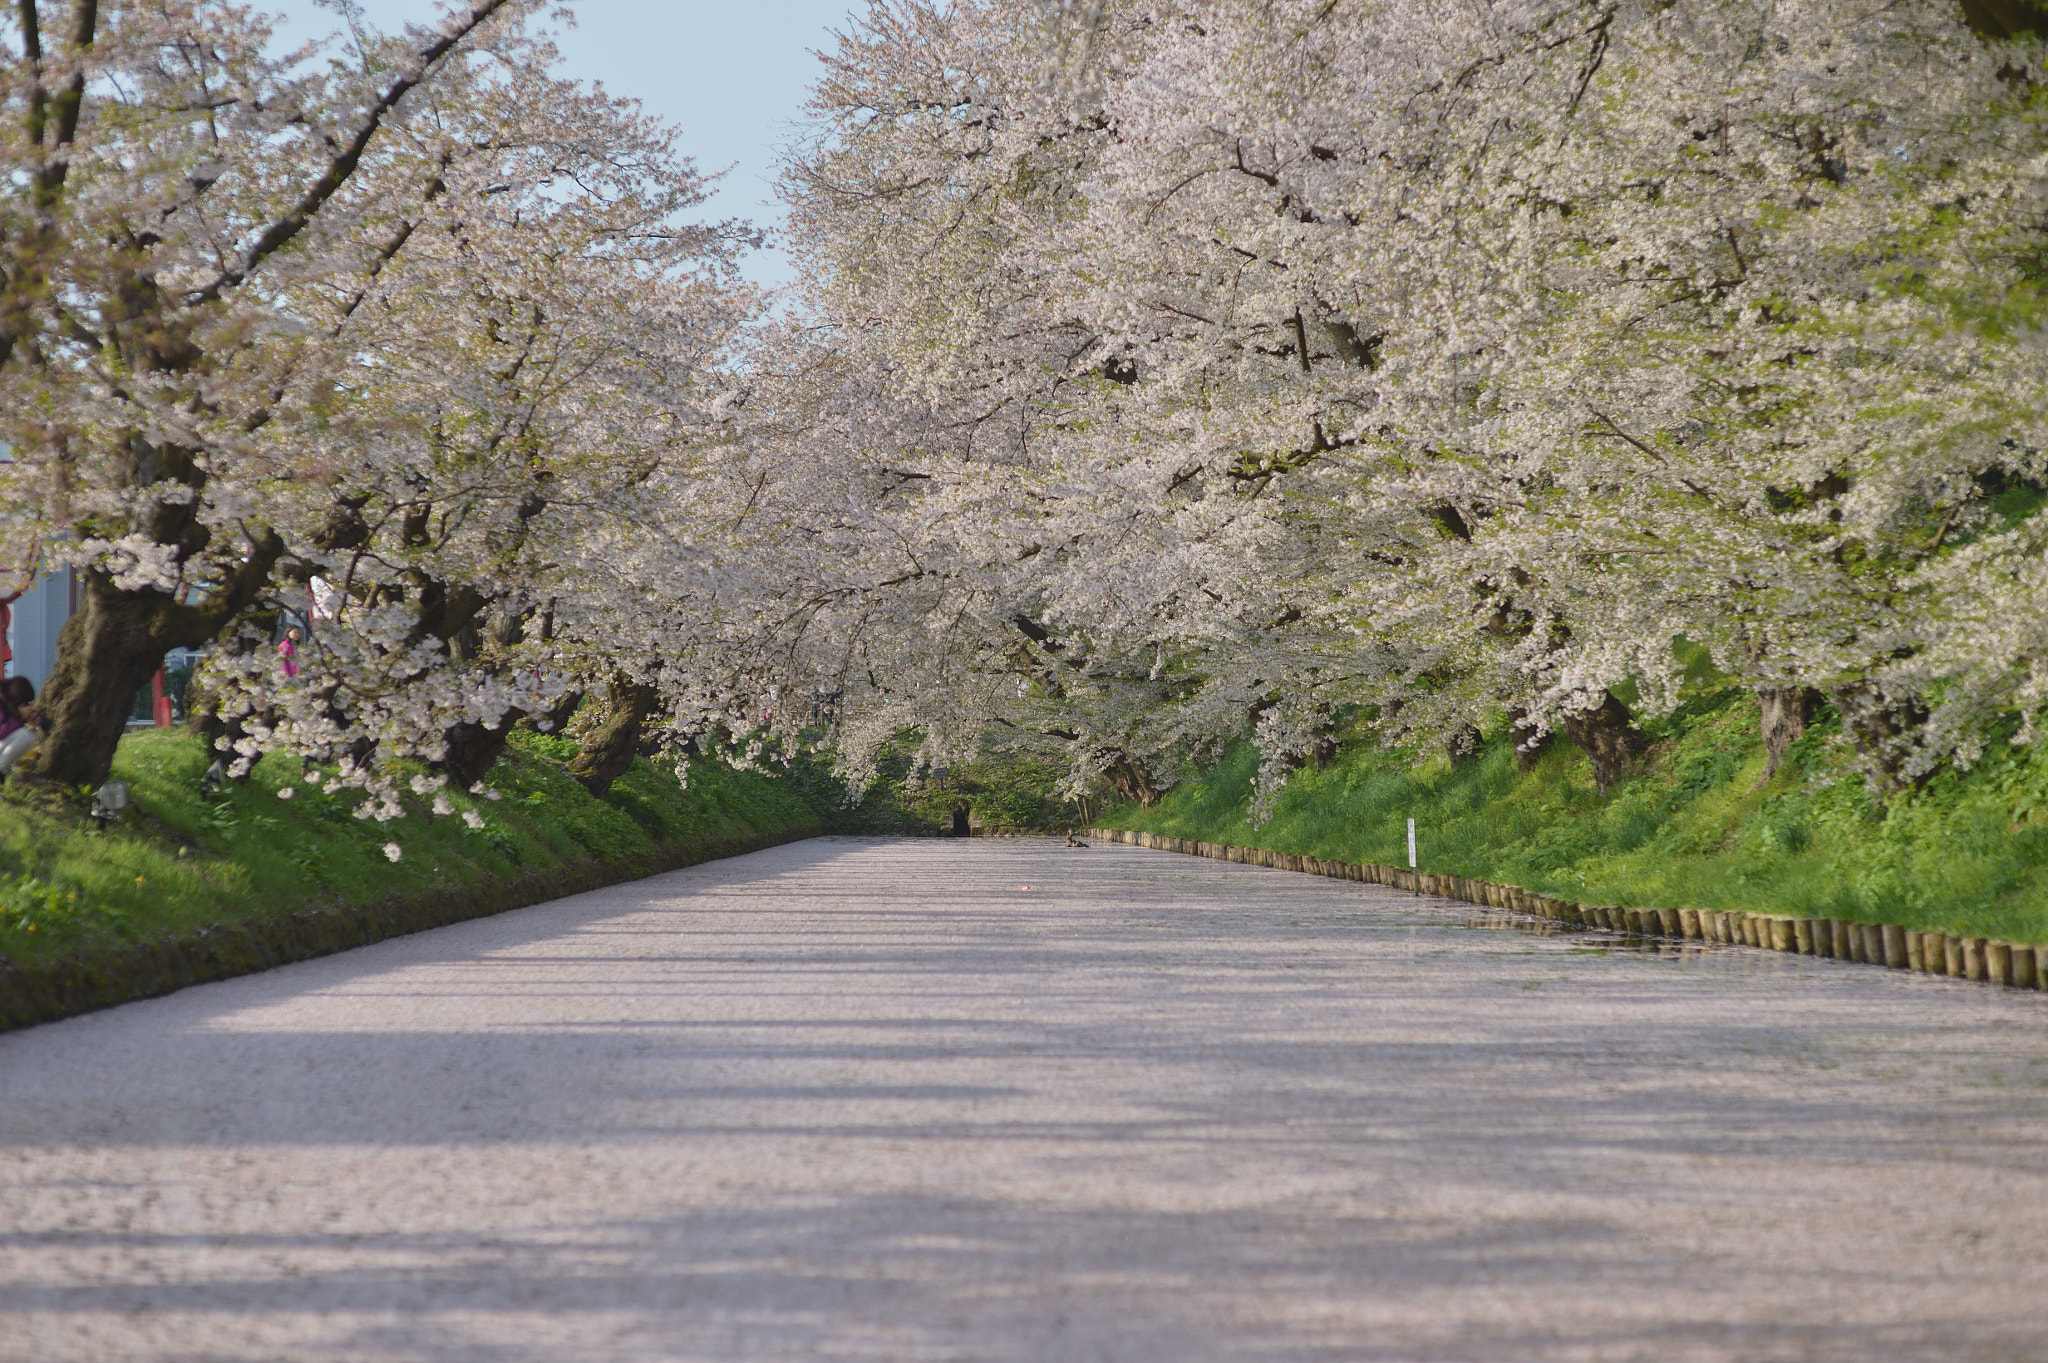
{"x": 1073, "y": 840}
{"x": 960, "y": 829}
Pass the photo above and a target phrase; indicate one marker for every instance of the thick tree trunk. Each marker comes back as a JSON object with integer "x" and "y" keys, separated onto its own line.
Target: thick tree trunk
{"x": 109, "y": 649}
{"x": 1608, "y": 739}
{"x": 551, "y": 720}
{"x": 106, "y": 652}
{"x": 1883, "y": 730}
{"x": 1129, "y": 778}
{"x": 202, "y": 703}
{"x": 609, "y": 753}
{"x": 473, "y": 749}
{"x": 1529, "y": 744}
{"x": 206, "y": 722}
{"x": 1461, "y": 745}
{"x": 1786, "y": 713}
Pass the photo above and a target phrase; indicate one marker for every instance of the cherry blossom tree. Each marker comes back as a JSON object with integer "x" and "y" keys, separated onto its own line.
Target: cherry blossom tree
{"x": 1459, "y": 359}
{"x": 498, "y": 438}
{"x": 1161, "y": 372}
{"x": 172, "y": 185}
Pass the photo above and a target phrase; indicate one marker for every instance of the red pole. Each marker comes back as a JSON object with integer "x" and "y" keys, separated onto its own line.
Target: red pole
{"x": 160, "y": 704}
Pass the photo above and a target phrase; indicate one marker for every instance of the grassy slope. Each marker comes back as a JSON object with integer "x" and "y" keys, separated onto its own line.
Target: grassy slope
{"x": 1969, "y": 854}
{"x": 179, "y": 861}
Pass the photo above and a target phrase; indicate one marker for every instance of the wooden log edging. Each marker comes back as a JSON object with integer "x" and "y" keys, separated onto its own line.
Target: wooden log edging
{"x": 85, "y": 983}
{"x": 1885, "y": 944}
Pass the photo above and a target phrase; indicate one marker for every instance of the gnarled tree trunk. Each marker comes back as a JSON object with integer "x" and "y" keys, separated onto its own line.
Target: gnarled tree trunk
{"x": 203, "y": 703}
{"x": 109, "y": 649}
{"x": 1128, "y": 777}
{"x": 1787, "y": 710}
{"x": 551, "y": 720}
{"x": 1611, "y": 743}
{"x": 1461, "y": 744}
{"x": 1529, "y": 744}
{"x": 609, "y": 753}
{"x": 1883, "y": 729}
{"x": 474, "y": 749}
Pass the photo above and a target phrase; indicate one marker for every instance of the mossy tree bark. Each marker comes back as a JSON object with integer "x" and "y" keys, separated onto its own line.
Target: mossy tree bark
{"x": 1130, "y": 779}
{"x": 609, "y": 753}
{"x": 2005, "y": 18}
{"x": 1787, "y": 711}
{"x": 1607, "y": 735}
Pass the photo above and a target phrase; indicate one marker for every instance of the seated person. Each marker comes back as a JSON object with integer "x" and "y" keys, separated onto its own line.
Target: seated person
{"x": 17, "y": 706}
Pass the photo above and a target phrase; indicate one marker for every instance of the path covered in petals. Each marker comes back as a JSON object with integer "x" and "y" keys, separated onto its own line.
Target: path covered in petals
{"x": 862, "y": 1099}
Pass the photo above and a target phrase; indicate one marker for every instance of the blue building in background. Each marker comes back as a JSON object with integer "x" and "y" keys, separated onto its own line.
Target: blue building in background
{"x": 34, "y": 621}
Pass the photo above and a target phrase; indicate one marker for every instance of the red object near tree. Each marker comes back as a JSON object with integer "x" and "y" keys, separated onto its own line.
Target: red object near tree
{"x": 159, "y": 703}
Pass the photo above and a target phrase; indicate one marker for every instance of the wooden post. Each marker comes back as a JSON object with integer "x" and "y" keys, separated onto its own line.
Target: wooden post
{"x": 1894, "y": 945}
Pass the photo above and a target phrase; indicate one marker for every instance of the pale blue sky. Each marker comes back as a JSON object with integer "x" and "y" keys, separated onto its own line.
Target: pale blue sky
{"x": 730, "y": 76}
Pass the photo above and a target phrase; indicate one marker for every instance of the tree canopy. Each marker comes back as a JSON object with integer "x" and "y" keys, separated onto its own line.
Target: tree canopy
{"x": 1159, "y": 371}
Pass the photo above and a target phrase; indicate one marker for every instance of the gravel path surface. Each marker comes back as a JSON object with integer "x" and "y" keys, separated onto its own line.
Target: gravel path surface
{"x": 857, "y": 1099}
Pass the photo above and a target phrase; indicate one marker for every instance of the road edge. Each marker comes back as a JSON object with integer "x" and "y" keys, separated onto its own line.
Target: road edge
{"x": 1983, "y": 959}
{"x": 106, "y": 979}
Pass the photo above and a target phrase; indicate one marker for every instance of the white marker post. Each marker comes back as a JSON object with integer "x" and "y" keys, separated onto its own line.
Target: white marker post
{"x": 1411, "y": 853}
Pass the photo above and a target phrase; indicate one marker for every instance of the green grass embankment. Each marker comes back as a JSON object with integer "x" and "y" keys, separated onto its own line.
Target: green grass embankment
{"x": 181, "y": 864}
{"x": 1968, "y": 854}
